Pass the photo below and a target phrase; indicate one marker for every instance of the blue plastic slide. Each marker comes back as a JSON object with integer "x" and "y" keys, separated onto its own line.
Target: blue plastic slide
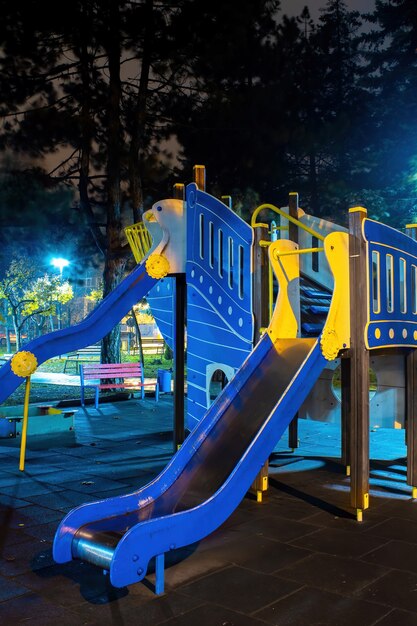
{"x": 210, "y": 474}
{"x": 93, "y": 328}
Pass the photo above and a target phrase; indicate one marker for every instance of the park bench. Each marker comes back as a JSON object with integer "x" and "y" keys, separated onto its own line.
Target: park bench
{"x": 79, "y": 356}
{"x": 129, "y": 377}
{"x": 150, "y": 345}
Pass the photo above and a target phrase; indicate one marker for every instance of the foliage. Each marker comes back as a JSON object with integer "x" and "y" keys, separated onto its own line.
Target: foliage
{"x": 95, "y": 295}
{"x": 45, "y": 293}
{"x": 120, "y": 96}
{"x": 29, "y": 297}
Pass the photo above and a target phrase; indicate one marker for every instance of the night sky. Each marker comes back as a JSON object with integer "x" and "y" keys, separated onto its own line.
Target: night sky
{"x": 294, "y": 7}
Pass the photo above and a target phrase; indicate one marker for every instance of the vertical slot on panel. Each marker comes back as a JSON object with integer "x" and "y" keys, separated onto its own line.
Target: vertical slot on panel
{"x": 376, "y": 281}
{"x": 389, "y": 269}
{"x": 403, "y": 287}
{"x": 230, "y": 259}
{"x": 201, "y": 236}
{"x": 220, "y": 255}
{"x": 414, "y": 289}
{"x": 211, "y": 244}
{"x": 241, "y": 276}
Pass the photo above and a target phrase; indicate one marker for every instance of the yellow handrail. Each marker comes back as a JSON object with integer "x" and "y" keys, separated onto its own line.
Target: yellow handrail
{"x": 272, "y": 207}
{"x": 302, "y": 251}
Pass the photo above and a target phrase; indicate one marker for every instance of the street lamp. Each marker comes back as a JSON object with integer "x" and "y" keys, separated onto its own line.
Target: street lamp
{"x": 60, "y": 263}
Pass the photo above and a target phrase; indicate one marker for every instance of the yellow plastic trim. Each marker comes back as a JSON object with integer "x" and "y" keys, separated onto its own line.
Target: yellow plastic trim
{"x": 347, "y": 470}
{"x": 259, "y": 496}
{"x": 157, "y": 266}
{"x": 336, "y": 331}
{"x": 358, "y": 209}
{"x": 414, "y": 492}
{"x": 23, "y": 363}
{"x": 139, "y": 240}
{"x": 275, "y": 209}
{"x": 411, "y": 225}
{"x": 286, "y": 268}
{"x": 359, "y": 515}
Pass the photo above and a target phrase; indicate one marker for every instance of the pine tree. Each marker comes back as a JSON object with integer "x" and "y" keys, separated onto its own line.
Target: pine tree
{"x": 392, "y": 77}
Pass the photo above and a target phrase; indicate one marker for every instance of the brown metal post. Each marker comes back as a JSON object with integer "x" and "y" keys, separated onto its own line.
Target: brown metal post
{"x": 411, "y": 231}
{"x": 260, "y": 298}
{"x": 199, "y": 172}
{"x": 293, "y": 236}
{"x": 179, "y": 359}
{"x": 411, "y": 420}
{"x": 179, "y": 191}
{"x": 359, "y": 365}
{"x": 345, "y": 410}
{"x": 260, "y": 281}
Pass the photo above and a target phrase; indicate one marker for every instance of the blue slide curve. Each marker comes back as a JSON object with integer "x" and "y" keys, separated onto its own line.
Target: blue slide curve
{"x": 93, "y": 328}
{"x": 210, "y": 474}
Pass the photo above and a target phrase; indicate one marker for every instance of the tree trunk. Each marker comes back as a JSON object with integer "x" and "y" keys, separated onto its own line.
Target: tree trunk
{"x": 16, "y": 329}
{"x": 86, "y": 132}
{"x": 136, "y": 151}
{"x": 8, "y": 342}
{"x": 115, "y": 261}
{"x": 139, "y": 335}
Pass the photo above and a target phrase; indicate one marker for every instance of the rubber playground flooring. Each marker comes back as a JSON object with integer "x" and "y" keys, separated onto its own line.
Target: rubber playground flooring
{"x": 297, "y": 558}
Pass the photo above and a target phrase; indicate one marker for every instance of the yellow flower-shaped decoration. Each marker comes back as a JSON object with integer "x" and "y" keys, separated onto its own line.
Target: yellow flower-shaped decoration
{"x": 23, "y": 363}
{"x": 157, "y": 266}
{"x": 330, "y": 345}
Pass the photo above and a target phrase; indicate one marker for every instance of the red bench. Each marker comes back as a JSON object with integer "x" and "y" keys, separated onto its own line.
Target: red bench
{"x": 129, "y": 375}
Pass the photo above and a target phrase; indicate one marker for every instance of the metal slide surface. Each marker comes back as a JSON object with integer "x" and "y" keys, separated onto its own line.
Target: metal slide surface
{"x": 208, "y": 476}
{"x": 95, "y": 326}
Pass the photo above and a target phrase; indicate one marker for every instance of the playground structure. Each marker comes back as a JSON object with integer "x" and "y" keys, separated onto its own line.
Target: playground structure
{"x": 271, "y": 369}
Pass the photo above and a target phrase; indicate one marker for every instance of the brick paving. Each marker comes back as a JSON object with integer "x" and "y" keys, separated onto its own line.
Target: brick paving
{"x": 297, "y": 558}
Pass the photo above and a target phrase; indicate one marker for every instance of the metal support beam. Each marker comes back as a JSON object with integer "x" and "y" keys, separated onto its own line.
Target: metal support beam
{"x": 179, "y": 359}
{"x": 293, "y": 236}
{"x": 359, "y": 365}
{"x": 411, "y": 420}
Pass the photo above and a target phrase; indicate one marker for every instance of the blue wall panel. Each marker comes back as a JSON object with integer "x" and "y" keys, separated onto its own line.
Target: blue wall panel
{"x": 219, "y": 293}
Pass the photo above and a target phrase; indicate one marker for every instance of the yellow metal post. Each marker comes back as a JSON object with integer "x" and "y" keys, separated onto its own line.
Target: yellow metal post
{"x": 25, "y": 425}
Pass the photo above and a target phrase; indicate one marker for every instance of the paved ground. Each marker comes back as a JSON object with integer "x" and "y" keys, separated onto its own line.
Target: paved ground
{"x": 298, "y": 558}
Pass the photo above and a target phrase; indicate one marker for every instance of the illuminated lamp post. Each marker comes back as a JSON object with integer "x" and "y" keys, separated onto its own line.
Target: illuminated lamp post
{"x": 59, "y": 263}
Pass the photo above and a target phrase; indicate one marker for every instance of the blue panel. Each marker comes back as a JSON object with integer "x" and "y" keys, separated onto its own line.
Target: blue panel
{"x": 161, "y": 302}
{"x": 392, "y": 298}
{"x": 219, "y": 292}
{"x": 94, "y": 327}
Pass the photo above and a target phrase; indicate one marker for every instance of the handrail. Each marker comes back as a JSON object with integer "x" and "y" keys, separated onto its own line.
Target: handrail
{"x": 272, "y": 207}
{"x": 301, "y": 251}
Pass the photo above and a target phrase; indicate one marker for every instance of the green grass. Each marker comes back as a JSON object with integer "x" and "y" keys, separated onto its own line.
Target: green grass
{"x": 56, "y": 393}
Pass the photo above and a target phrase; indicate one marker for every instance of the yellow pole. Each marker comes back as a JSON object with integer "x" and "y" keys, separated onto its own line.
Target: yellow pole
{"x": 25, "y": 425}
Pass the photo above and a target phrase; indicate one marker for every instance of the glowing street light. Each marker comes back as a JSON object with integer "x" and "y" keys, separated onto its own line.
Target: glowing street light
{"x": 60, "y": 263}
